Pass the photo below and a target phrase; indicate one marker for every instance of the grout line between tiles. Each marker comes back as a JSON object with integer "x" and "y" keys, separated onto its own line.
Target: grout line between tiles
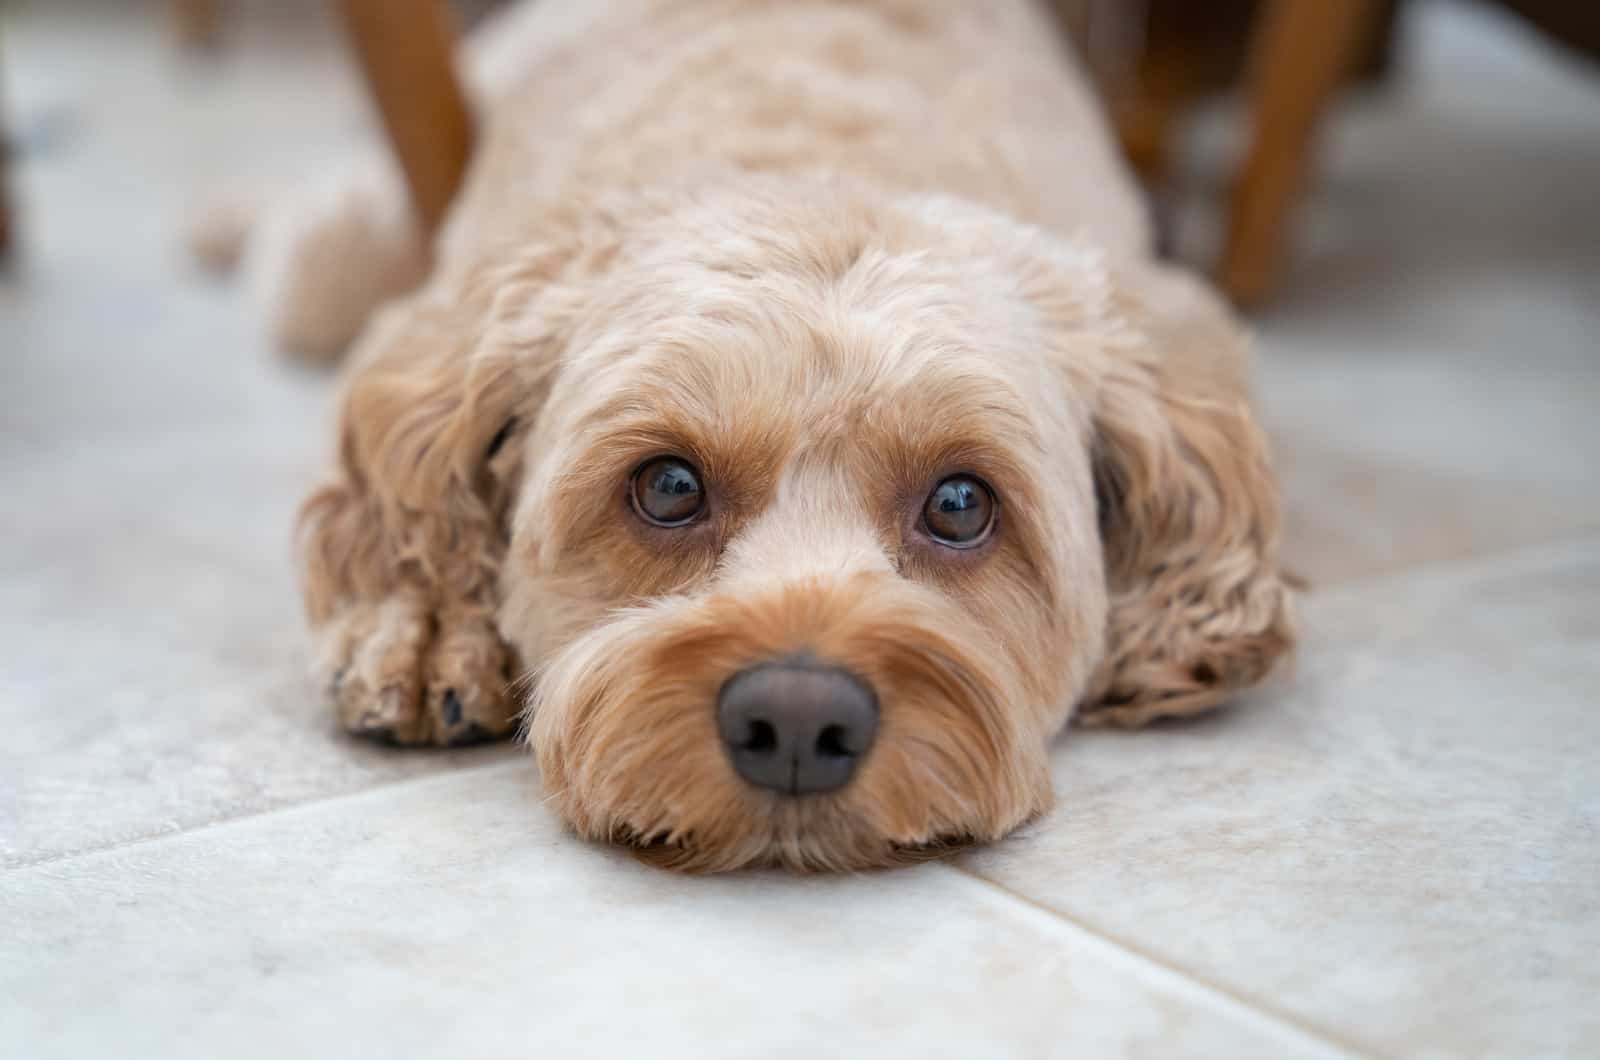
{"x": 222, "y": 821}
{"x": 1231, "y": 999}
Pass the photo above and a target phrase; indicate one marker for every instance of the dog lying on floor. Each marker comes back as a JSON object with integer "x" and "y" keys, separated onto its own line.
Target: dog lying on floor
{"x": 793, "y": 397}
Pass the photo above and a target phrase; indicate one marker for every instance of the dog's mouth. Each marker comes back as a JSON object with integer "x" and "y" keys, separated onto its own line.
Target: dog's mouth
{"x": 659, "y": 849}
{"x": 936, "y": 849}
{"x": 664, "y": 850}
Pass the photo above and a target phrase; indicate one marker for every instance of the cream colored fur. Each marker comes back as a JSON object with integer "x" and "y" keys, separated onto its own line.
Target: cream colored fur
{"x": 830, "y": 252}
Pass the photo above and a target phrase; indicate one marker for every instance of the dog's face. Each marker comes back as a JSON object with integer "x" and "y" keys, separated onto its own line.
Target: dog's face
{"x": 806, "y": 551}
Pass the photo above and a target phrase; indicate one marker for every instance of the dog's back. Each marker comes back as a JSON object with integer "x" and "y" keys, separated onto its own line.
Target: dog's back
{"x": 979, "y": 99}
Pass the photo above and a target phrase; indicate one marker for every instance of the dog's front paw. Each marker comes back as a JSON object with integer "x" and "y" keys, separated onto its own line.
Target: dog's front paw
{"x": 400, "y": 673}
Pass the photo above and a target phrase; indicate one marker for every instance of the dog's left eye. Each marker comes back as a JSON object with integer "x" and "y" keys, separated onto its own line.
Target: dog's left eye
{"x": 959, "y": 512}
{"x": 666, "y": 491}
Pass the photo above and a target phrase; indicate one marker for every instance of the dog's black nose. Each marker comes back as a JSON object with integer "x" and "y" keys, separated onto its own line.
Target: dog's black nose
{"x": 796, "y": 726}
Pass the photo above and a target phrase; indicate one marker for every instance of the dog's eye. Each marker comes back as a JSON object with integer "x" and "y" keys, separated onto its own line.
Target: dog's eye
{"x": 666, "y": 492}
{"x": 959, "y": 512}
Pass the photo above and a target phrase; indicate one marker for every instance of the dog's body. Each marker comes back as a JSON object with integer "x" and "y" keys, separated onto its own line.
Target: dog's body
{"x": 861, "y": 287}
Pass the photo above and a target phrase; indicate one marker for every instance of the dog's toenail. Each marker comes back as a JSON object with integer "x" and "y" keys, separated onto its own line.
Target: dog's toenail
{"x": 452, "y": 707}
{"x": 337, "y": 682}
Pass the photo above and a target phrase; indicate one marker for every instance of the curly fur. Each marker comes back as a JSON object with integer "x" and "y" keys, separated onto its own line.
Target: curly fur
{"x": 831, "y": 253}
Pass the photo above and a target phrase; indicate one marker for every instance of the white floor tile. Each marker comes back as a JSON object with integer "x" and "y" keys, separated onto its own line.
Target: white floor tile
{"x": 451, "y": 917}
{"x": 1400, "y": 845}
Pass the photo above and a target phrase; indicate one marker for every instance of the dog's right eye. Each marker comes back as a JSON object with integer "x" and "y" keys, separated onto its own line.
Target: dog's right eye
{"x": 667, "y": 492}
{"x": 959, "y": 513}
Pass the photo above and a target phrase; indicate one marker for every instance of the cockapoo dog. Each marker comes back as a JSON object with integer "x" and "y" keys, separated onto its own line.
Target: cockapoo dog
{"x": 793, "y": 428}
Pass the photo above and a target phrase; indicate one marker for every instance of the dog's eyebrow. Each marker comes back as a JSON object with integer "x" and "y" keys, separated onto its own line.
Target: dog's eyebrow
{"x": 499, "y": 438}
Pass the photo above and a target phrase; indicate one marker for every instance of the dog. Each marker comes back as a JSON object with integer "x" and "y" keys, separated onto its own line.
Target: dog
{"x": 793, "y": 428}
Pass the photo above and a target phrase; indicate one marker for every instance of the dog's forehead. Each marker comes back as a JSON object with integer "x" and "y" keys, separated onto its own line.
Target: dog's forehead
{"x": 877, "y": 328}
{"x": 752, "y": 378}
{"x": 750, "y": 337}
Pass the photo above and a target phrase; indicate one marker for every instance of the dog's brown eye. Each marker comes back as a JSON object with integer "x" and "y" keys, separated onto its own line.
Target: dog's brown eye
{"x": 666, "y": 492}
{"x": 959, "y": 512}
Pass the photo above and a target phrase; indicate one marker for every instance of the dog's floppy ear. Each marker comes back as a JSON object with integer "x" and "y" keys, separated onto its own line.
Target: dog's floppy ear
{"x": 1188, "y": 504}
{"x": 441, "y": 388}
{"x": 1188, "y": 508}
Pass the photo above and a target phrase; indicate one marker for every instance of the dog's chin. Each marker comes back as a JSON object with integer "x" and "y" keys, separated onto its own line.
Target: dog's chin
{"x": 682, "y": 855}
{"x": 800, "y": 854}
{"x": 625, "y": 732}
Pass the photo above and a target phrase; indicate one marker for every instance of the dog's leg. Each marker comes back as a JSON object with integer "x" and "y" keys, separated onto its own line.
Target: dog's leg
{"x": 324, "y": 262}
{"x": 408, "y": 654}
{"x": 320, "y": 260}
{"x": 401, "y": 554}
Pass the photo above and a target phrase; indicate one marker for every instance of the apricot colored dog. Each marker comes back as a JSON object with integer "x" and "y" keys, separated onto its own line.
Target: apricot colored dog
{"x": 793, "y": 428}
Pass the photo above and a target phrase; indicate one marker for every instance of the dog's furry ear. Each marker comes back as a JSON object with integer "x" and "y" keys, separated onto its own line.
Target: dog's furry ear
{"x": 441, "y": 389}
{"x": 1198, "y": 609}
{"x": 1188, "y": 509}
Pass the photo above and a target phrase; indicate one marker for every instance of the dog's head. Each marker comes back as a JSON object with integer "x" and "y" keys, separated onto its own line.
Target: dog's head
{"x": 823, "y": 515}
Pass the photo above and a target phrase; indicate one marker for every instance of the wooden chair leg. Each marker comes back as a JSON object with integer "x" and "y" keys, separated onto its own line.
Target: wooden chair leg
{"x": 194, "y": 22}
{"x": 407, "y": 52}
{"x": 5, "y": 177}
{"x": 1145, "y": 129}
{"x": 1302, "y": 52}
{"x": 5, "y": 210}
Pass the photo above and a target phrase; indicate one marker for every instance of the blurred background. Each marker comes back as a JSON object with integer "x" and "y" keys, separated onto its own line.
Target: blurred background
{"x": 1392, "y": 852}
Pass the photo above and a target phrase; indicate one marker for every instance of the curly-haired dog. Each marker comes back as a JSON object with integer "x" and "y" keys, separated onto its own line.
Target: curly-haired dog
{"x": 793, "y": 399}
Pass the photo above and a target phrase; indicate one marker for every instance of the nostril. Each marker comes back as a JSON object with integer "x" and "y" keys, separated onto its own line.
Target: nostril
{"x": 760, "y": 737}
{"x": 832, "y": 742}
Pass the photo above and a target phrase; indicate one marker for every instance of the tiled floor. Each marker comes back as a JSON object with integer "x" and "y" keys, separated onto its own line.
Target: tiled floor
{"x": 1393, "y": 852}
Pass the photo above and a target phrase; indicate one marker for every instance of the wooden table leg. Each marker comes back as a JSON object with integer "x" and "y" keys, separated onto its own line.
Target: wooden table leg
{"x": 194, "y": 22}
{"x": 5, "y": 175}
{"x": 407, "y": 52}
{"x": 5, "y": 210}
{"x": 1302, "y": 52}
